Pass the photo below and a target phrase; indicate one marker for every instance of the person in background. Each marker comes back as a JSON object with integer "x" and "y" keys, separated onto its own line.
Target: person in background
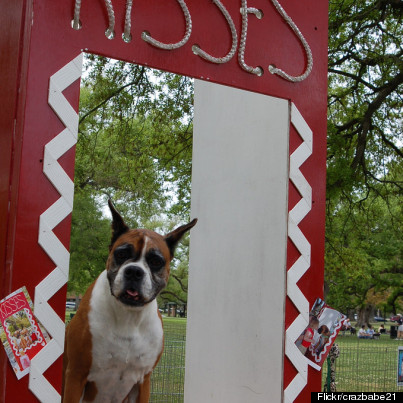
{"x": 362, "y": 334}
{"x": 400, "y": 327}
{"x": 347, "y": 324}
{"x": 370, "y": 332}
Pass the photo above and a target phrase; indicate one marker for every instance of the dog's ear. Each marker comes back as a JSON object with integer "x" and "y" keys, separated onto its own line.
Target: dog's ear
{"x": 175, "y": 236}
{"x": 118, "y": 225}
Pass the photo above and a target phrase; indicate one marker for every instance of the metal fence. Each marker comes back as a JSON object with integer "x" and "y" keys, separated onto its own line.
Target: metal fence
{"x": 366, "y": 365}
{"x": 168, "y": 378}
{"x": 363, "y": 365}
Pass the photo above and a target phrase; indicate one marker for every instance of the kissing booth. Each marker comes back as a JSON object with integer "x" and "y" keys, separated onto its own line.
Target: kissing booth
{"x": 258, "y": 188}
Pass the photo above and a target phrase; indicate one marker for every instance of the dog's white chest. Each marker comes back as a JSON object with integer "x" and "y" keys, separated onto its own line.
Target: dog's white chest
{"x": 125, "y": 343}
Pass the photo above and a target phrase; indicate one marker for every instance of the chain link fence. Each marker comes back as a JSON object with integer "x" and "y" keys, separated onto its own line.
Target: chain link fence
{"x": 366, "y": 365}
{"x": 168, "y": 378}
{"x": 362, "y": 366}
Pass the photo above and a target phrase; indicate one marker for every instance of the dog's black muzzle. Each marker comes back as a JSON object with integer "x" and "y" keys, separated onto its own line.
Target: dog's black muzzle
{"x": 133, "y": 274}
{"x": 132, "y": 295}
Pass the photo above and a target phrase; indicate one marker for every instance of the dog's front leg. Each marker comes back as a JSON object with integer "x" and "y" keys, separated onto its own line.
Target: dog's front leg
{"x": 140, "y": 393}
{"x": 144, "y": 390}
{"x": 132, "y": 396}
{"x": 73, "y": 388}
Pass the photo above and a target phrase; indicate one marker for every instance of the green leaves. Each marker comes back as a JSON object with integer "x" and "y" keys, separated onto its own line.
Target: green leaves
{"x": 363, "y": 261}
{"x": 365, "y": 74}
{"x": 90, "y": 237}
{"x": 135, "y": 136}
{"x": 135, "y": 145}
{"x": 364, "y": 252}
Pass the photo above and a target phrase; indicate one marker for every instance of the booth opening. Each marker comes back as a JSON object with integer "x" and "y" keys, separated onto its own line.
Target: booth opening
{"x": 134, "y": 147}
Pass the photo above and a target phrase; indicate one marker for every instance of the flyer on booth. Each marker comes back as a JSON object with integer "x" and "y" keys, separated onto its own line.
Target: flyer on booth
{"x": 317, "y": 339}
{"x": 21, "y": 334}
{"x": 400, "y": 366}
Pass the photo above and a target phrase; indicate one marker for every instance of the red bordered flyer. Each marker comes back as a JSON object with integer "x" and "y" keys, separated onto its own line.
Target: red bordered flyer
{"x": 317, "y": 339}
{"x": 21, "y": 334}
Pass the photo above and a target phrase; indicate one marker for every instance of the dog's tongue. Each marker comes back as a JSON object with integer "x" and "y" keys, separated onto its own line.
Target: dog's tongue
{"x": 133, "y": 293}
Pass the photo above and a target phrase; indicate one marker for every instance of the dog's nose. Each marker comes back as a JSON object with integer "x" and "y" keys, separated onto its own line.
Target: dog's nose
{"x": 134, "y": 273}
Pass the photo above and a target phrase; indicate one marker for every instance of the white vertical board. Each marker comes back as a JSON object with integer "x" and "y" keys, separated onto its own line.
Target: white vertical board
{"x": 235, "y": 336}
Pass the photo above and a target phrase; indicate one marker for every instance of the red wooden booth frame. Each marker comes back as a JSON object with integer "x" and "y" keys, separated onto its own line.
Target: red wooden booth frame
{"x": 37, "y": 40}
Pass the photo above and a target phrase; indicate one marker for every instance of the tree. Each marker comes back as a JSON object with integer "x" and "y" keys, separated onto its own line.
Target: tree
{"x": 135, "y": 143}
{"x": 365, "y": 102}
{"x": 135, "y": 140}
{"x": 90, "y": 237}
{"x": 364, "y": 168}
{"x": 364, "y": 256}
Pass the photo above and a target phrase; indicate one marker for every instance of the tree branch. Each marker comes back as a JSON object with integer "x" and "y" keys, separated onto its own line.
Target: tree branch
{"x": 113, "y": 94}
{"x": 184, "y": 289}
{"x": 165, "y": 292}
{"x": 354, "y": 77}
{"x": 367, "y": 120}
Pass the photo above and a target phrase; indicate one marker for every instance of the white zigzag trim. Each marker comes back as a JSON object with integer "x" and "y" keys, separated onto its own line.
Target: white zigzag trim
{"x": 298, "y": 269}
{"x": 48, "y": 220}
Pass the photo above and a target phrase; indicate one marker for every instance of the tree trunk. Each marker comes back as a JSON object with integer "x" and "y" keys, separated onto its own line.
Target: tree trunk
{"x": 364, "y": 315}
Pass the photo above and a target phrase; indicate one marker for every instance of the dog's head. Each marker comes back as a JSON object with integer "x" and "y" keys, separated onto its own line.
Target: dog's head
{"x": 138, "y": 263}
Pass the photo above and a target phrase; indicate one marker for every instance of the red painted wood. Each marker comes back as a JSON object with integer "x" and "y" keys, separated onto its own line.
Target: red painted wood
{"x": 313, "y": 228}
{"x": 14, "y": 32}
{"x": 11, "y": 21}
{"x": 53, "y": 43}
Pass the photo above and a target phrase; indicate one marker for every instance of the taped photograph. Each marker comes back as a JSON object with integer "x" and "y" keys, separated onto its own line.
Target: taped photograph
{"x": 318, "y": 337}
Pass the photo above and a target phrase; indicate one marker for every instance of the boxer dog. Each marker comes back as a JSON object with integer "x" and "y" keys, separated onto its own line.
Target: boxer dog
{"x": 116, "y": 339}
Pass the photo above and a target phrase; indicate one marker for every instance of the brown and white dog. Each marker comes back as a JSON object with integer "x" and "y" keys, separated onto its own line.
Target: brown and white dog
{"x": 115, "y": 340}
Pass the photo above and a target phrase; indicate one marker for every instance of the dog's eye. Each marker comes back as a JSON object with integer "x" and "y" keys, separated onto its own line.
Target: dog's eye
{"x": 123, "y": 253}
{"x": 155, "y": 262}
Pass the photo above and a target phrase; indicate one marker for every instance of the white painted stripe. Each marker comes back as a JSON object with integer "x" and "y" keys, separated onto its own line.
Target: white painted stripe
{"x": 299, "y": 268}
{"x": 48, "y": 220}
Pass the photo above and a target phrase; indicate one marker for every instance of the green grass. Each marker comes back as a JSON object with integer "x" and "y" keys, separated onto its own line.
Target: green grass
{"x": 366, "y": 365}
{"x": 180, "y": 322}
{"x": 67, "y": 316}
